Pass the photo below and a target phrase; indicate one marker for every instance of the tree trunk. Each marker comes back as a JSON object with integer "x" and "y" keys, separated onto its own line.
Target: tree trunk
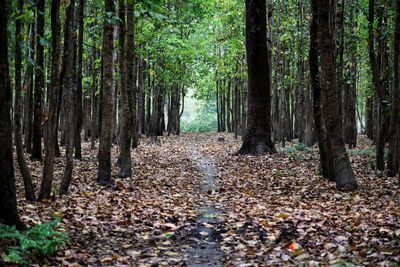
{"x": 257, "y": 138}
{"x": 126, "y": 85}
{"x": 79, "y": 112}
{"x": 25, "y": 172}
{"x": 70, "y": 100}
{"x": 8, "y": 200}
{"x": 54, "y": 90}
{"x": 104, "y": 155}
{"x": 394, "y": 144}
{"x": 28, "y": 88}
{"x": 342, "y": 171}
{"x": 380, "y": 89}
{"x": 39, "y": 83}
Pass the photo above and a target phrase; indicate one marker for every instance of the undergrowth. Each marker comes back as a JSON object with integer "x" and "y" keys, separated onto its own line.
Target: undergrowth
{"x": 24, "y": 247}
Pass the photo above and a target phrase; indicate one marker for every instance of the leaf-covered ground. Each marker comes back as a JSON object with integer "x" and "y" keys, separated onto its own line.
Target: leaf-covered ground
{"x": 190, "y": 194}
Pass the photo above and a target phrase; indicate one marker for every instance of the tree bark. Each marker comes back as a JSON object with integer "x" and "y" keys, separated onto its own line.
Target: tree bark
{"x": 126, "y": 83}
{"x": 8, "y": 200}
{"x": 23, "y": 167}
{"x": 79, "y": 112}
{"x": 380, "y": 90}
{"x": 342, "y": 171}
{"x": 39, "y": 83}
{"x": 394, "y": 144}
{"x": 54, "y": 90}
{"x": 257, "y": 138}
{"x": 70, "y": 97}
{"x": 104, "y": 154}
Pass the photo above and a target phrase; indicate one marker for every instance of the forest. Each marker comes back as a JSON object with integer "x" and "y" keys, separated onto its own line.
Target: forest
{"x": 200, "y": 133}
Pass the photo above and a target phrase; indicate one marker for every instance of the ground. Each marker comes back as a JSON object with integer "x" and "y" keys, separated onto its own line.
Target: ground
{"x": 191, "y": 202}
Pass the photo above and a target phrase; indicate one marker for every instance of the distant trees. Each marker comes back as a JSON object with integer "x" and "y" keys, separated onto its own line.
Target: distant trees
{"x": 257, "y": 136}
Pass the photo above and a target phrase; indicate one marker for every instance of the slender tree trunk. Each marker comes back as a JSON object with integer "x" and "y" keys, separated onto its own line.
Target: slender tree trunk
{"x": 8, "y": 200}
{"x": 25, "y": 172}
{"x": 70, "y": 100}
{"x": 126, "y": 84}
{"x": 257, "y": 138}
{"x": 342, "y": 171}
{"x": 104, "y": 155}
{"x": 54, "y": 90}
{"x": 39, "y": 83}
{"x": 28, "y": 88}
{"x": 394, "y": 146}
{"x": 79, "y": 111}
{"x": 380, "y": 90}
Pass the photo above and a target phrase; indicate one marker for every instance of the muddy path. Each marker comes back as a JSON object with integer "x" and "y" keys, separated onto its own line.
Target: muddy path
{"x": 204, "y": 243}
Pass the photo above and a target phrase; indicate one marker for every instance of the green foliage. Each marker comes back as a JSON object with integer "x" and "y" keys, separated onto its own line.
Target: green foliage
{"x": 205, "y": 120}
{"x": 41, "y": 240}
{"x": 201, "y": 124}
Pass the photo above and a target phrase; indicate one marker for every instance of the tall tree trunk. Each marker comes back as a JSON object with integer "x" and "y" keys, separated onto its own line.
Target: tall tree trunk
{"x": 342, "y": 171}
{"x": 257, "y": 138}
{"x": 8, "y": 200}
{"x": 79, "y": 112}
{"x": 380, "y": 89}
{"x": 23, "y": 167}
{"x": 28, "y": 88}
{"x": 39, "y": 82}
{"x": 394, "y": 146}
{"x": 70, "y": 97}
{"x": 104, "y": 155}
{"x": 126, "y": 62}
{"x": 54, "y": 90}
{"x": 325, "y": 162}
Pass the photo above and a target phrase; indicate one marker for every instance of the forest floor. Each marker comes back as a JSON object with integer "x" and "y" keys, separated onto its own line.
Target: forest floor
{"x": 192, "y": 203}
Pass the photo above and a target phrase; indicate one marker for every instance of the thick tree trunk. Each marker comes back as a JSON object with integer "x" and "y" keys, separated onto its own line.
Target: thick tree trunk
{"x": 325, "y": 162}
{"x": 39, "y": 83}
{"x": 257, "y": 138}
{"x": 342, "y": 171}
{"x": 8, "y": 200}
{"x": 23, "y": 167}
{"x": 104, "y": 155}
{"x": 54, "y": 90}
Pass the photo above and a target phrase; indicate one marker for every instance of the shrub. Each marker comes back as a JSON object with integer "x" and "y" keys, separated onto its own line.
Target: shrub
{"x": 22, "y": 247}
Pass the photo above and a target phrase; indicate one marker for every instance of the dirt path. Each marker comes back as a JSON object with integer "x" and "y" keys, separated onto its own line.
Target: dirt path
{"x": 205, "y": 249}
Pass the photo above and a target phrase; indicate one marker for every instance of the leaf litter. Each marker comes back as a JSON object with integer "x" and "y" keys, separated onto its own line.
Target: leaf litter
{"x": 271, "y": 210}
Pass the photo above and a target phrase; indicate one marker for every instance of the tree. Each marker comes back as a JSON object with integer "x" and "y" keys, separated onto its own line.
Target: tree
{"x": 79, "y": 111}
{"x": 394, "y": 146}
{"x": 257, "y": 137}
{"x": 104, "y": 154}
{"x": 127, "y": 84}
{"x": 39, "y": 82}
{"x": 54, "y": 91}
{"x": 342, "y": 172}
{"x": 379, "y": 79}
{"x": 24, "y": 169}
{"x": 70, "y": 92}
{"x": 8, "y": 201}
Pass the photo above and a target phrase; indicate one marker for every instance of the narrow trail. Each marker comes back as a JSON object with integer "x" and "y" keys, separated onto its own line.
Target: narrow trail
{"x": 206, "y": 250}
